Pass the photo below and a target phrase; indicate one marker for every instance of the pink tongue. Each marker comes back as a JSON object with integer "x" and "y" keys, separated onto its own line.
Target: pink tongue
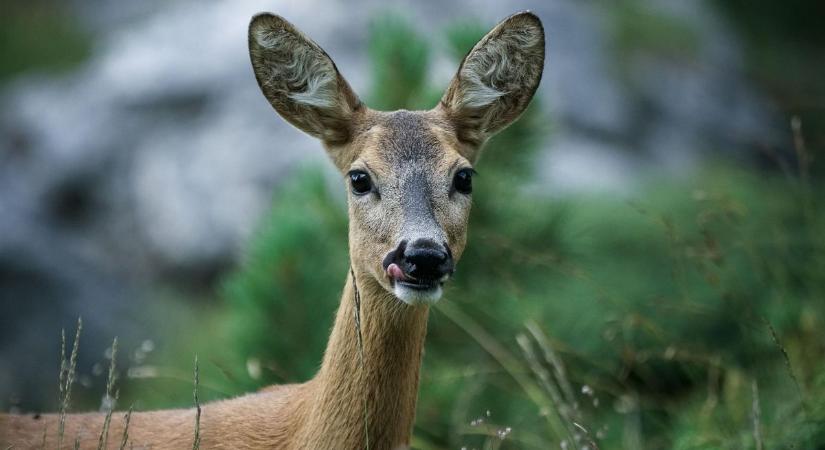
{"x": 395, "y": 272}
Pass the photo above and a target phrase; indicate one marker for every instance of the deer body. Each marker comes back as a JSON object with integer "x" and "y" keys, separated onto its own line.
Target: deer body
{"x": 409, "y": 179}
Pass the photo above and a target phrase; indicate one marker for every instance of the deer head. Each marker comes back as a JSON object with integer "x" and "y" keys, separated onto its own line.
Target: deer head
{"x": 408, "y": 174}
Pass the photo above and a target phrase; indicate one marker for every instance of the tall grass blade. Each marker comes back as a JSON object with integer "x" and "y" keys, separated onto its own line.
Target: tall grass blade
{"x": 561, "y": 409}
{"x": 507, "y": 361}
{"x": 110, "y": 401}
{"x": 756, "y": 416}
{"x": 126, "y": 419}
{"x": 67, "y": 376}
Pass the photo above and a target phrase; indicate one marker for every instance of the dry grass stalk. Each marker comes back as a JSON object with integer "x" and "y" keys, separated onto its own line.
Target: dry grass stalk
{"x": 126, "y": 419}
{"x": 109, "y": 400}
{"x": 197, "y": 442}
{"x": 756, "y": 415}
{"x": 66, "y": 378}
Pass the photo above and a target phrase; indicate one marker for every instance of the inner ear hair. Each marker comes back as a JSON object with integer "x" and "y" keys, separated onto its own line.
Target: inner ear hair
{"x": 497, "y": 79}
{"x": 300, "y": 80}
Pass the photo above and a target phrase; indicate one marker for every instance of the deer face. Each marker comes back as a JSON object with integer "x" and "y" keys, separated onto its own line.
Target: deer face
{"x": 408, "y": 173}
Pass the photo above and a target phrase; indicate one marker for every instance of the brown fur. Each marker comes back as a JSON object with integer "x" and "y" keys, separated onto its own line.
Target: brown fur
{"x": 362, "y": 393}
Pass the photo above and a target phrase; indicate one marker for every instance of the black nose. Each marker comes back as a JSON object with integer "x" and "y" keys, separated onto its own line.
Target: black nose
{"x": 426, "y": 260}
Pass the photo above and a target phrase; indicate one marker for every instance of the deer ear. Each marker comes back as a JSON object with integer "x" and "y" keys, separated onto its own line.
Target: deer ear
{"x": 497, "y": 78}
{"x": 300, "y": 80}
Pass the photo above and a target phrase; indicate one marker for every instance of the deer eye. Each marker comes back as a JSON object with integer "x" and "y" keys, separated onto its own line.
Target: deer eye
{"x": 360, "y": 182}
{"x": 463, "y": 181}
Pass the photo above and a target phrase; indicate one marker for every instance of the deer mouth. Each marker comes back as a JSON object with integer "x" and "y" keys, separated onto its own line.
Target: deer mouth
{"x": 419, "y": 285}
{"x": 413, "y": 291}
{"x": 400, "y": 278}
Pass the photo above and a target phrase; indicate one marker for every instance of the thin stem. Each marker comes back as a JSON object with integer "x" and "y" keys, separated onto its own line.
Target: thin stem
{"x": 197, "y": 442}
{"x": 103, "y": 441}
{"x": 67, "y": 375}
{"x": 360, "y": 353}
{"x": 126, "y": 419}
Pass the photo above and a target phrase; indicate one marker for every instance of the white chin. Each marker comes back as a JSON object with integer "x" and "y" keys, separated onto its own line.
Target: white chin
{"x": 412, "y": 296}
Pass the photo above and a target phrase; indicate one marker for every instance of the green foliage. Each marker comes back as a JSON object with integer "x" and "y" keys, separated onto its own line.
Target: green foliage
{"x": 462, "y": 36}
{"x": 784, "y": 54}
{"x": 400, "y": 58}
{"x": 638, "y": 29}
{"x": 39, "y": 35}
{"x": 291, "y": 282}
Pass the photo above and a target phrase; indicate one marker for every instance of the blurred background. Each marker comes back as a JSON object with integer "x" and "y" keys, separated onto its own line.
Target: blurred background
{"x": 659, "y": 207}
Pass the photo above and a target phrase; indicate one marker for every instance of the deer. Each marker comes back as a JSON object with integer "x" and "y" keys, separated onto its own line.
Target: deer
{"x": 408, "y": 177}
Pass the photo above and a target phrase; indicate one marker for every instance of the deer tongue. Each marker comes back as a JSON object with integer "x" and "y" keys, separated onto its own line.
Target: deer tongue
{"x": 395, "y": 272}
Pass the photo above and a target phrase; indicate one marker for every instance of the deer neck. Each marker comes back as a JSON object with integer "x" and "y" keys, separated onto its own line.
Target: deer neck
{"x": 368, "y": 391}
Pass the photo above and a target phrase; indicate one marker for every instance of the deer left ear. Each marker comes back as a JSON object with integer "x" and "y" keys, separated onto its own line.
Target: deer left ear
{"x": 300, "y": 80}
{"x": 497, "y": 79}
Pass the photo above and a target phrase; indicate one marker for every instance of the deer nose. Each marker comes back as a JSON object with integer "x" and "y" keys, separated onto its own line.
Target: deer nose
{"x": 426, "y": 264}
{"x": 426, "y": 260}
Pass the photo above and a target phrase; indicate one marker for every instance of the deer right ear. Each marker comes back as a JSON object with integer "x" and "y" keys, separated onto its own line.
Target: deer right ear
{"x": 300, "y": 80}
